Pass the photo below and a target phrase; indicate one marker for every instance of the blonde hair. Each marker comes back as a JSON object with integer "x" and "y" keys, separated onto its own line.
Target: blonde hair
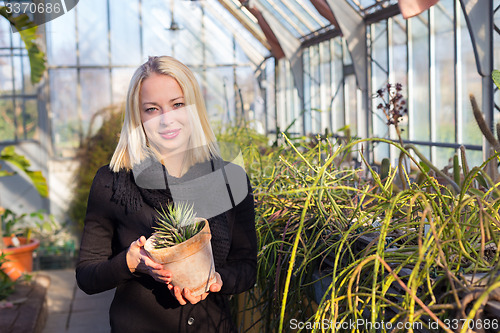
{"x": 133, "y": 147}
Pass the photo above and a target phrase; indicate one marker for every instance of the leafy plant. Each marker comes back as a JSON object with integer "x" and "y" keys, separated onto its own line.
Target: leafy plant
{"x": 176, "y": 224}
{"x": 9, "y": 155}
{"x": 380, "y": 254}
{"x": 27, "y": 31}
{"x": 94, "y": 152}
{"x": 6, "y": 284}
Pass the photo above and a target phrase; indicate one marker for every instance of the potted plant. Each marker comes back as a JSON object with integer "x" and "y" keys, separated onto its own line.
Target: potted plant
{"x": 181, "y": 243}
{"x": 18, "y": 249}
{"x": 19, "y": 245}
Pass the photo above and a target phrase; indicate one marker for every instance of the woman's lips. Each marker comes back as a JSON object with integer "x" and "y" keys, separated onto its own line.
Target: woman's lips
{"x": 170, "y": 134}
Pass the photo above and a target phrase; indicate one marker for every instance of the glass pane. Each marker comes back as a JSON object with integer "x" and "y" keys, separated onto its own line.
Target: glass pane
{"x": 17, "y": 41}
{"x": 233, "y": 22}
{"x": 425, "y": 150}
{"x": 281, "y": 110}
{"x": 474, "y": 157}
{"x": 315, "y": 90}
{"x": 399, "y": 62}
{"x": 217, "y": 50}
{"x": 270, "y": 98}
{"x": 30, "y": 116}
{"x": 295, "y": 114}
{"x": 29, "y": 89}
{"x": 379, "y": 65}
{"x": 7, "y": 125}
{"x": 419, "y": 103}
{"x": 18, "y": 75}
{"x": 308, "y": 87}
{"x": 245, "y": 82}
{"x": 309, "y": 13}
{"x": 96, "y": 88}
{"x": 442, "y": 156}
{"x": 299, "y": 15}
{"x": 6, "y": 79}
{"x": 189, "y": 41}
{"x": 470, "y": 83}
{"x": 125, "y": 41}
{"x": 121, "y": 80}
{"x": 65, "y": 120}
{"x": 325, "y": 86}
{"x": 155, "y": 20}
{"x": 338, "y": 120}
{"x": 5, "y": 33}
{"x": 284, "y": 18}
{"x": 351, "y": 103}
{"x": 445, "y": 72}
{"x": 61, "y": 40}
{"x": 212, "y": 85}
{"x": 26, "y": 118}
{"x": 93, "y": 32}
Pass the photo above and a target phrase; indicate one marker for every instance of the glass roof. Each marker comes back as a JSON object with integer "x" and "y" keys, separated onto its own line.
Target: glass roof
{"x": 366, "y": 7}
{"x": 254, "y": 50}
{"x": 297, "y": 16}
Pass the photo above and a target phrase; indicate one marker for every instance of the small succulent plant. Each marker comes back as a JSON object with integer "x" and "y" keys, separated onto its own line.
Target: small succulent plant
{"x": 176, "y": 224}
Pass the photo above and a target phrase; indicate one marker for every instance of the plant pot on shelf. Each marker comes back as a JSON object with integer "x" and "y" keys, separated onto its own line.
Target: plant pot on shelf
{"x": 191, "y": 262}
{"x": 20, "y": 259}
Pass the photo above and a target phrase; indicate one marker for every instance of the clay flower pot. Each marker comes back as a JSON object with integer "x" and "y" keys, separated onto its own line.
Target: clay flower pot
{"x": 191, "y": 262}
{"x": 20, "y": 259}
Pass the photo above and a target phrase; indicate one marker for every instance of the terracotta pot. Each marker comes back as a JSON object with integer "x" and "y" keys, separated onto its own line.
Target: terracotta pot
{"x": 20, "y": 259}
{"x": 191, "y": 262}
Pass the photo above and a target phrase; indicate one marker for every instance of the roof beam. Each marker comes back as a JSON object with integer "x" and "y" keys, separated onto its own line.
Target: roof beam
{"x": 236, "y": 11}
{"x": 255, "y": 57}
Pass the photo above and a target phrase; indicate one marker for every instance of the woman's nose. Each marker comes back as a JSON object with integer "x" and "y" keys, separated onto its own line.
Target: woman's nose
{"x": 166, "y": 117}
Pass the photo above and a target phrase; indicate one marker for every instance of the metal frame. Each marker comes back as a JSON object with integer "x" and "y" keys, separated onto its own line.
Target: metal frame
{"x": 20, "y": 53}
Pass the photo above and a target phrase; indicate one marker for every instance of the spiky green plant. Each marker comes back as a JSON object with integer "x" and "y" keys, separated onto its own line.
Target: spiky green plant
{"x": 176, "y": 224}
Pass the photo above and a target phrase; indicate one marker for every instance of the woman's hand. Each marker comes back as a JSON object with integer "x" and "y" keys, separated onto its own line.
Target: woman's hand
{"x": 139, "y": 261}
{"x": 184, "y": 296}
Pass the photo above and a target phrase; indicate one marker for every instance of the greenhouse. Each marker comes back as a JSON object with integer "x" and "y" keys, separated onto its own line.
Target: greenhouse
{"x": 369, "y": 132}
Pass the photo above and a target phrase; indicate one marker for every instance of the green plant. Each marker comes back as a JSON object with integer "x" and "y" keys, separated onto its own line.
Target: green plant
{"x": 175, "y": 225}
{"x": 407, "y": 255}
{"x": 9, "y": 155}
{"x": 94, "y": 152}
{"x": 6, "y": 284}
{"x": 27, "y": 30}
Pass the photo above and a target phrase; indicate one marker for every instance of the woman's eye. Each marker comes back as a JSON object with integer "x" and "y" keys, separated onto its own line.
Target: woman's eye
{"x": 150, "y": 110}
{"x": 178, "y": 105}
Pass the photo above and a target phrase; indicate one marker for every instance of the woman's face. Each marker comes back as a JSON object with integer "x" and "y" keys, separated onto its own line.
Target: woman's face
{"x": 164, "y": 114}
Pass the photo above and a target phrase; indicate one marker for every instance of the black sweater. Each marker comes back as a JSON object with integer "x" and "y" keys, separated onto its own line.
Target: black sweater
{"x": 141, "y": 304}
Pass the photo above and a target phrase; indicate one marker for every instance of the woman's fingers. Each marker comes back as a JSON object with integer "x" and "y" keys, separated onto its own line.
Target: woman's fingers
{"x": 141, "y": 241}
{"x": 134, "y": 255}
{"x": 150, "y": 263}
{"x": 185, "y": 296}
{"x": 178, "y": 295}
{"x": 216, "y": 287}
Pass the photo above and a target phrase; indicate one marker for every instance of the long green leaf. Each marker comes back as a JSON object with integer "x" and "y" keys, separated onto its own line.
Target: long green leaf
{"x": 27, "y": 30}
{"x": 9, "y": 155}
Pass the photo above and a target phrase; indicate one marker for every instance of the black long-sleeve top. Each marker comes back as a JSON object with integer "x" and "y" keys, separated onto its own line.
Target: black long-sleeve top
{"x": 142, "y": 304}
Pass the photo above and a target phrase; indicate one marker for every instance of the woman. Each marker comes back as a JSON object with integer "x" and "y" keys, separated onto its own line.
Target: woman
{"x": 165, "y": 121}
